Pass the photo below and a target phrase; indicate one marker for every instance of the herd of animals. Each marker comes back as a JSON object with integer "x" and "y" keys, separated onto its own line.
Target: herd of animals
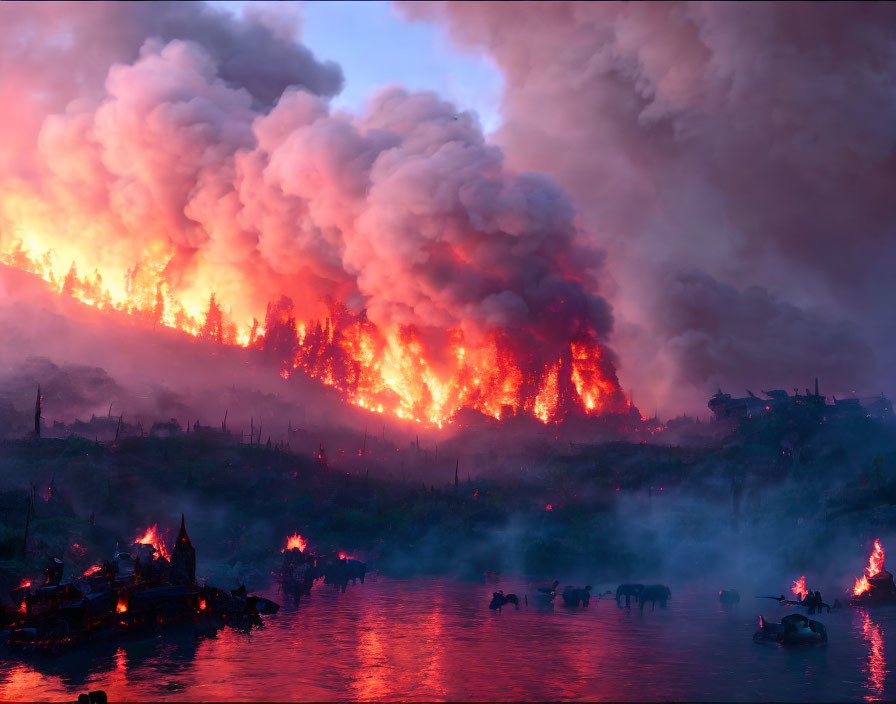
{"x": 577, "y": 596}
{"x": 302, "y": 569}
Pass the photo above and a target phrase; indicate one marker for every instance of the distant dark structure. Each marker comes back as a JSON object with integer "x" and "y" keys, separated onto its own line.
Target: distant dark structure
{"x": 725, "y": 407}
{"x": 37, "y": 414}
{"x": 183, "y": 558}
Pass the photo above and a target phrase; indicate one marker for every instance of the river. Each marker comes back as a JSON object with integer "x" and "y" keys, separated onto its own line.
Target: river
{"x": 435, "y": 639}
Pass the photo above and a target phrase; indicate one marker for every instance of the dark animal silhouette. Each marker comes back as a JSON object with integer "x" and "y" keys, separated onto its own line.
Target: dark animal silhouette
{"x": 729, "y": 596}
{"x": 573, "y": 596}
{"x": 654, "y": 593}
{"x": 499, "y": 599}
{"x": 355, "y": 570}
{"x": 815, "y": 603}
{"x": 628, "y": 591}
{"x": 549, "y": 591}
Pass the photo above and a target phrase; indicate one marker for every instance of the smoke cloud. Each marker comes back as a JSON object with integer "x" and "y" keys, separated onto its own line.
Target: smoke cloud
{"x": 199, "y": 150}
{"x": 752, "y": 142}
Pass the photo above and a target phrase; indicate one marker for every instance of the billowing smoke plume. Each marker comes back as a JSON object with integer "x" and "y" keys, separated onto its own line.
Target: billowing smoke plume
{"x": 190, "y": 153}
{"x": 737, "y": 163}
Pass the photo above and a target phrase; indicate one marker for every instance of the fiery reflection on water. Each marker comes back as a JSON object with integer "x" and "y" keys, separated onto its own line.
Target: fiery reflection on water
{"x": 877, "y": 663}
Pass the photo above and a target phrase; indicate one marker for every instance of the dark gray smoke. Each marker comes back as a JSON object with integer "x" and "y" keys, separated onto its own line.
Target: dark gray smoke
{"x": 751, "y": 141}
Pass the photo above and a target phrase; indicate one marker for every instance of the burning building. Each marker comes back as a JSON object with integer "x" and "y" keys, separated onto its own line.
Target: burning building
{"x": 139, "y": 591}
{"x": 183, "y": 558}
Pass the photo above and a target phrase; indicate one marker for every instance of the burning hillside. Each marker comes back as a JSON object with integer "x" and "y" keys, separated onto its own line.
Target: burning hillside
{"x": 390, "y": 255}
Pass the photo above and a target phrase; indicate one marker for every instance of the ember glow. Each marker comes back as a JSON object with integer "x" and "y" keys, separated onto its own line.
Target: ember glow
{"x": 296, "y": 541}
{"x": 152, "y": 537}
{"x": 93, "y": 569}
{"x": 121, "y": 606}
{"x": 24, "y": 583}
{"x": 799, "y": 587}
{"x": 875, "y": 565}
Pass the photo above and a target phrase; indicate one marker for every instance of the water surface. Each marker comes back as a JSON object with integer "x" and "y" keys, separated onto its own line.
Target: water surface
{"x": 435, "y": 639}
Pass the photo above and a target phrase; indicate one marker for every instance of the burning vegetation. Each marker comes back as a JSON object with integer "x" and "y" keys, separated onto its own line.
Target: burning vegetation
{"x": 397, "y": 373}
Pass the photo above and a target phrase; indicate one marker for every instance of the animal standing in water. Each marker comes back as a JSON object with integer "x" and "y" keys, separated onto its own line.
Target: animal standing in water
{"x": 499, "y": 599}
{"x": 628, "y": 591}
{"x": 573, "y": 596}
{"x": 729, "y": 596}
{"x": 654, "y": 593}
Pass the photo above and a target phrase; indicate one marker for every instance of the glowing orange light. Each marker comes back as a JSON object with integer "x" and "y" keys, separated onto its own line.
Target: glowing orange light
{"x": 296, "y": 541}
{"x": 875, "y": 565}
{"x": 23, "y": 607}
{"x": 25, "y": 583}
{"x": 122, "y": 606}
{"x": 151, "y": 537}
{"x": 877, "y": 663}
{"x": 382, "y": 371}
{"x": 202, "y": 604}
{"x": 93, "y": 569}
{"x": 799, "y": 587}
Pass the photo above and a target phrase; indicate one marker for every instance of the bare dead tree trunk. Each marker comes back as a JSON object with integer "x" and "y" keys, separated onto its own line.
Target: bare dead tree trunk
{"x": 37, "y": 414}
{"x": 28, "y": 523}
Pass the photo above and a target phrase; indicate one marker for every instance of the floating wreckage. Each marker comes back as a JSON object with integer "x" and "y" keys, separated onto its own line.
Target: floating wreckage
{"x": 140, "y": 591}
{"x": 794, "y": 629}
{"x": 875, "y": 587}
{"x": 804, "y": 597}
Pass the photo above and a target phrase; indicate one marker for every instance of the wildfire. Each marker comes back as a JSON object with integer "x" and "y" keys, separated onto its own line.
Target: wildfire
{"x": 799, "y": 588}
{"x": 875, "y": 565}
{"x": 202, "y": 604}
{"x": 344, "y": 556}
{"x": 24, "y": 583}
{"x": 93, "y": 569}
{"x": 122, "y": 605}
{"x": 151, "y": 537}
{"x": 296, "y": 541}
{"x": 23, "y": 607}
{"x": 381, "y": 371}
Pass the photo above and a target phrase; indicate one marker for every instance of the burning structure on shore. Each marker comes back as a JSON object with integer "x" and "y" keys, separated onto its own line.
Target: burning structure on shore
{"x": 140, "y": 591}
{"x": 876, "y": 586}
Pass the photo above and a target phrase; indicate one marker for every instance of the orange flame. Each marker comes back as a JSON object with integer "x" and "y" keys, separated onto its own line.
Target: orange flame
{"x": 122, "y": 605}
{"x": 24, "y": 583}
{"x": 202, "y": 604}
{"x": 23, "y": 607}
{"x": 378, "y": 370}
{"x": 296, "y": 541}
{"x": 799, "y": 587}
{"x": 875, "y": 565}
{"x": 93, "y": 569}
{"x": 345, "y": 556}
{"x": 151, "y": 537}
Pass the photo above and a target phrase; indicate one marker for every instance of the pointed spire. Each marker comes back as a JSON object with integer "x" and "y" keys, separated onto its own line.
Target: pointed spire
{"x": 182, "y": 537}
